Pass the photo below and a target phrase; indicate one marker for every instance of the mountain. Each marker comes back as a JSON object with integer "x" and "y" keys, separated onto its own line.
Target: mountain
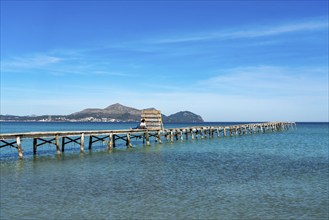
{"x": 112, "y": 113}
{"x": 183, "y": 116}
{"x": 115, "y": 111}
{"x": 121, "y": 109}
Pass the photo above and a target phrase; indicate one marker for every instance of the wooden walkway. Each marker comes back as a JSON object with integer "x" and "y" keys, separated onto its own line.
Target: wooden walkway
{"x": 61, "y": 138}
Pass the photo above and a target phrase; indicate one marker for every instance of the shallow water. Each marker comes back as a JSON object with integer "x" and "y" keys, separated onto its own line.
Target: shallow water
{"x": 279, "y": 175}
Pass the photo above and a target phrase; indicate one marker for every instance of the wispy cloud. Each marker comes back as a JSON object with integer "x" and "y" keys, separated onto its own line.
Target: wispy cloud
{"x": 281, "y": 29}
{"x": 273, "y": 80}
{"x": 33, "y": 61}
{"x": 59, "y": 63}
{"x": 250, "y": 32}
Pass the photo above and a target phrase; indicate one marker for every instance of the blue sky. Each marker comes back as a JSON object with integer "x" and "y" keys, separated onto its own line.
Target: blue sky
{"x": 224, "y": 60}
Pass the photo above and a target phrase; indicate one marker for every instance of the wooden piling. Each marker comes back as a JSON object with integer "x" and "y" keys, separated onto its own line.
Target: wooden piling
{"x": 19, "y": 147}
{"x": 176, "y": 135}
{"x": 192, "y": 133}
{"x": 82, "y": 143}
{"x": 158, "y": 137}
{"x": 167, "y": 136}
{"x": 57, "y": 144}
{"x": 171, "y": 136}
{"x": 181, "y": 135}
{"x": 128, "y": 143}
{"x": 110, "y": 145}
{"x": 34, "y": 146}
{"x": 114, "y": 145}
{"x": 90, "y": 142}
{"x": 147, "y": 138}
{"x": 63, "y": 144}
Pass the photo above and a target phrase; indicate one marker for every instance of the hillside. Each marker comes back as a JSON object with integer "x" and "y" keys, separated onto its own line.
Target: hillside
{"x": 115, "y": 111}
{"x": 183, "y": 116}
{"x": 112, "y": 113}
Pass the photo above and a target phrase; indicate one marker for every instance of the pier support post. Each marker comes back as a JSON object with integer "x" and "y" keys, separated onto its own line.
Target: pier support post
{"x": 147, "y": 138}
{"x": 158, "y": 137}
{"x": 57, "y": 144}
{"x": 128, "y": 143}
{"x": 176, "y": 135}
{"x": 82, "y": 143}
{"x": 167, "y": 137}
{"x": 110, "y": 146}
{"x": 63, "y": 144}
{"x": 34, "y": 146}
{"x": 19, "y": 147}
{"x": 114, "y": 140}
{"x": 90, "y": 142}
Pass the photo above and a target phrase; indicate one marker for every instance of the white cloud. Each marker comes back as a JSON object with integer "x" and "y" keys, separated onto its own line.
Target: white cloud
{"x": 276, "y": 81}
{"x": 282, "y": 29}
{"x": 59, "y": 66}
{"x": 250, "y": 32}
{"x": 31, "y": 62}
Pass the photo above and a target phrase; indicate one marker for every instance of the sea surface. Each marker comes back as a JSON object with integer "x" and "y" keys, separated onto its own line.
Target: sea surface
{"x": 277, "y": 175}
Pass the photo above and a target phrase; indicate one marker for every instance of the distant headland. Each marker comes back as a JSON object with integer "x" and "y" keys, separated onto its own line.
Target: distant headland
{"x": 112, "y": 113}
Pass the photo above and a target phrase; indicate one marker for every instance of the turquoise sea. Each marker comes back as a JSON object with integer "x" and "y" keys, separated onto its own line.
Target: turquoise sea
{"x": 278, "y": 175}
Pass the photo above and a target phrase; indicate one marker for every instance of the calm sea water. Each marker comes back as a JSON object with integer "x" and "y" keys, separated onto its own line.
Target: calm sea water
{"x": 279, "y": 175}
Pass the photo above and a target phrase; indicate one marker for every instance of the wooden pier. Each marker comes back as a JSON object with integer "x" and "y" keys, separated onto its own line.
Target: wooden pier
{"x": 61, "y": 138}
